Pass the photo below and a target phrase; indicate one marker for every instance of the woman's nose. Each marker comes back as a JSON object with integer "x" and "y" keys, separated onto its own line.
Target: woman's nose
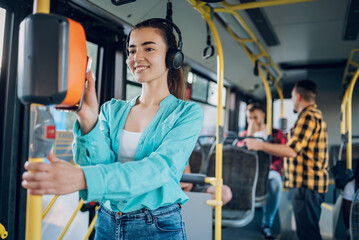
{"x": 139, "y": 55}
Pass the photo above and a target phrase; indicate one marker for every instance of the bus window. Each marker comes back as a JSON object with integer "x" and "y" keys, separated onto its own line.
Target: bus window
{"x": 2, "y": 29}
{"x": 242, "y": 116}
{"x": 213, "y": 94}
{"x": 288, "y": 113}
{"x": 199, "y": 87}
{"x": 92, "y": 51}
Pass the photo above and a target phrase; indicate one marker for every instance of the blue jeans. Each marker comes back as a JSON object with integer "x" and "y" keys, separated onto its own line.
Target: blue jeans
{"x": 274, "y": 192}
{"x": 162, "y": 223}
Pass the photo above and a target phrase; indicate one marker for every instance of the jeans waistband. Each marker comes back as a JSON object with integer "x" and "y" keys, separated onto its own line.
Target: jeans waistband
{"x": 142, "y": 213}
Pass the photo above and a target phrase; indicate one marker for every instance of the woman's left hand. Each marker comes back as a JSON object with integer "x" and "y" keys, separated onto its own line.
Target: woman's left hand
{"x": 57, "y": 178}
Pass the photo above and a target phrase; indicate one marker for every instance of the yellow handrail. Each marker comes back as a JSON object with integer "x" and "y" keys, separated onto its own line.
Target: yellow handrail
{"x": 343, "y": 113}
{"x": 33, "y": 211}
{"x": 49, "y": 206}
{"x": 281, "y": 97}
{"x": 3, "y": 232}
{"x": 262, "y": 54}
{"x": 267, "y": 3}
{"x": 205, "y": 12}
{"x": 350, "y": 63}
{"x": 34, "y": 202}
{"x": 92, "y": 225}
{"x": 41, "y": 6}
{"x": 349, "y": 119}
{"x": 346, "y": 105}
{"x": 71, "y": 219}
{"x": 269, "y": 102}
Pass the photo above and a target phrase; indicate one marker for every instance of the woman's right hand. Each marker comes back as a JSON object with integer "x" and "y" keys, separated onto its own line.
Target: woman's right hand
{"x": 87, "y": 116}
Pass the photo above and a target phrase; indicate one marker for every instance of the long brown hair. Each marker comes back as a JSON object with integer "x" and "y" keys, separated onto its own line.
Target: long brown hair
{"x": 175, "y": 80}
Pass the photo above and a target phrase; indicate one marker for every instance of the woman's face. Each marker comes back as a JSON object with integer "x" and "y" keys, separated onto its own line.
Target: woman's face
{"x": 147, "y": 55}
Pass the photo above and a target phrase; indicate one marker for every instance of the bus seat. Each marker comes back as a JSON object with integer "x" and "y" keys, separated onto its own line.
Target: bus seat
{"x": 334, "y": 153}
{"x": 338, "y": 164}
{"x": 231, "y": 137}
{"x": 354, "y": 217}
{"x": 264, "y": 164}
{"x": 208, "y": 145}
{"x": 240, "y": 172}
{"x": 196, "y": 160}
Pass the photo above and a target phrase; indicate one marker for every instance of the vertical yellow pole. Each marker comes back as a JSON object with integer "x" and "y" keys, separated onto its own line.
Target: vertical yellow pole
{"x": 349, "y": 119}
{"x": 205, "y": 12}
{"x": 219, "y": 132}
{"x": 33, "y": 212}
{"x": 34, "y": 202}
{"x": 281, "y": 97}
{"x": 268, "y": 100}
{"x": 41, "y": 6}
{"x": 343, "y": 108}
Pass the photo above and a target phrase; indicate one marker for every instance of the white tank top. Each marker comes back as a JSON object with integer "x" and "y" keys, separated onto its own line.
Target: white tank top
{"x": 128, "y": 145}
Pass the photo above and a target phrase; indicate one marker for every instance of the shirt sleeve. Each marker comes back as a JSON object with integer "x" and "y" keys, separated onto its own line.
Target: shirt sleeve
{"x": 95, "y": 143}
{"x": 118, "y": 181}
{"x": 348, "y": 193}
{"x": 304, "y": 129}
{"x": 281, "y": 137}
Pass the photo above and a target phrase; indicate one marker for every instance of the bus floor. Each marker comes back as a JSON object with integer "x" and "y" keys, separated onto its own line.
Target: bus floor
{"x": 284, "y": 227}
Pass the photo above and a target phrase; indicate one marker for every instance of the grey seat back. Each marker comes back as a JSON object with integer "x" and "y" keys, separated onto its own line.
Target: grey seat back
{"x": 264, "y": 165}
{"x": 240, "y": 172}
{"x": 196, "y": 160}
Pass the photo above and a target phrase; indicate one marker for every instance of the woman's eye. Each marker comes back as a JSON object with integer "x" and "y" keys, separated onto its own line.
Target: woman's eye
{"x": 149, "y": 49}
{"x": 131, "y": 51}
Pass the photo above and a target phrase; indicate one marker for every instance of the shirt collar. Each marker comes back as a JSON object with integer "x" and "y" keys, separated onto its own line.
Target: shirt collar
{"x": 307, "y": 108}
{"x": 166, "y": 101}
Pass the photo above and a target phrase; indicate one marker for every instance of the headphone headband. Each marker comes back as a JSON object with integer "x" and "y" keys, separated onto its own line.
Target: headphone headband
{"x": 179, "y": 47}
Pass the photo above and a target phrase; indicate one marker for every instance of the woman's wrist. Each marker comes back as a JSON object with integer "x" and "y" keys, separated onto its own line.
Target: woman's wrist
{"x": 86, "y": 125}
{"x": 81, "y": 180}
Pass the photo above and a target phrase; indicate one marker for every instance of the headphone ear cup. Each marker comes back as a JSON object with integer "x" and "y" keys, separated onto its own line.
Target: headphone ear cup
{"x": 174, "y": 58}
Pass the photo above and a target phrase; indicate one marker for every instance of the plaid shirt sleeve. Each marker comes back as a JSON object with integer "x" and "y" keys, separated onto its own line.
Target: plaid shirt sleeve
{"x": 301, "y": 132}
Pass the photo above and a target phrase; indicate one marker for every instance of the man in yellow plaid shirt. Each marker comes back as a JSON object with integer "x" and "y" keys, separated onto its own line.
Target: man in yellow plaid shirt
{"x": 306, "y": 166}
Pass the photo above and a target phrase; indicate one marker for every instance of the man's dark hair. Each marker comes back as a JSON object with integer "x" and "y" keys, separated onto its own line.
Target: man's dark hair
{"x": 255, "y": 106}
{"x": 307, "y": 89}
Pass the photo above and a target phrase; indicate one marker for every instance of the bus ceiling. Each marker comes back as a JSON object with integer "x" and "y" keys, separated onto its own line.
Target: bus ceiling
{"x": 298, "y": 36}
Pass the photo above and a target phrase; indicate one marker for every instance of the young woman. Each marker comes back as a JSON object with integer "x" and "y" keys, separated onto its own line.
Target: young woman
{"x": 133, "y": 154}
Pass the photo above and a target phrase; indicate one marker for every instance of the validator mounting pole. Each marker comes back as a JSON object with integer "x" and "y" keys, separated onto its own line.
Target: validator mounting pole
{"x": 42, "y": 137}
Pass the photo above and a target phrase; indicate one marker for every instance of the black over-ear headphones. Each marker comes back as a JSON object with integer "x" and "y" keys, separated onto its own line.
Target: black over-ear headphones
{"x": 174, "y": 56}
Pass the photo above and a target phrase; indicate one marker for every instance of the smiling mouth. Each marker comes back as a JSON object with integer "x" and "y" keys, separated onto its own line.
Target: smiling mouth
{"x": 141, "y": 68}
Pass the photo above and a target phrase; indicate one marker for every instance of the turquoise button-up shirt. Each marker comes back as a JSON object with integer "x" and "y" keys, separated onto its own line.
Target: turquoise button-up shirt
{"x": 152, "y": 179}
